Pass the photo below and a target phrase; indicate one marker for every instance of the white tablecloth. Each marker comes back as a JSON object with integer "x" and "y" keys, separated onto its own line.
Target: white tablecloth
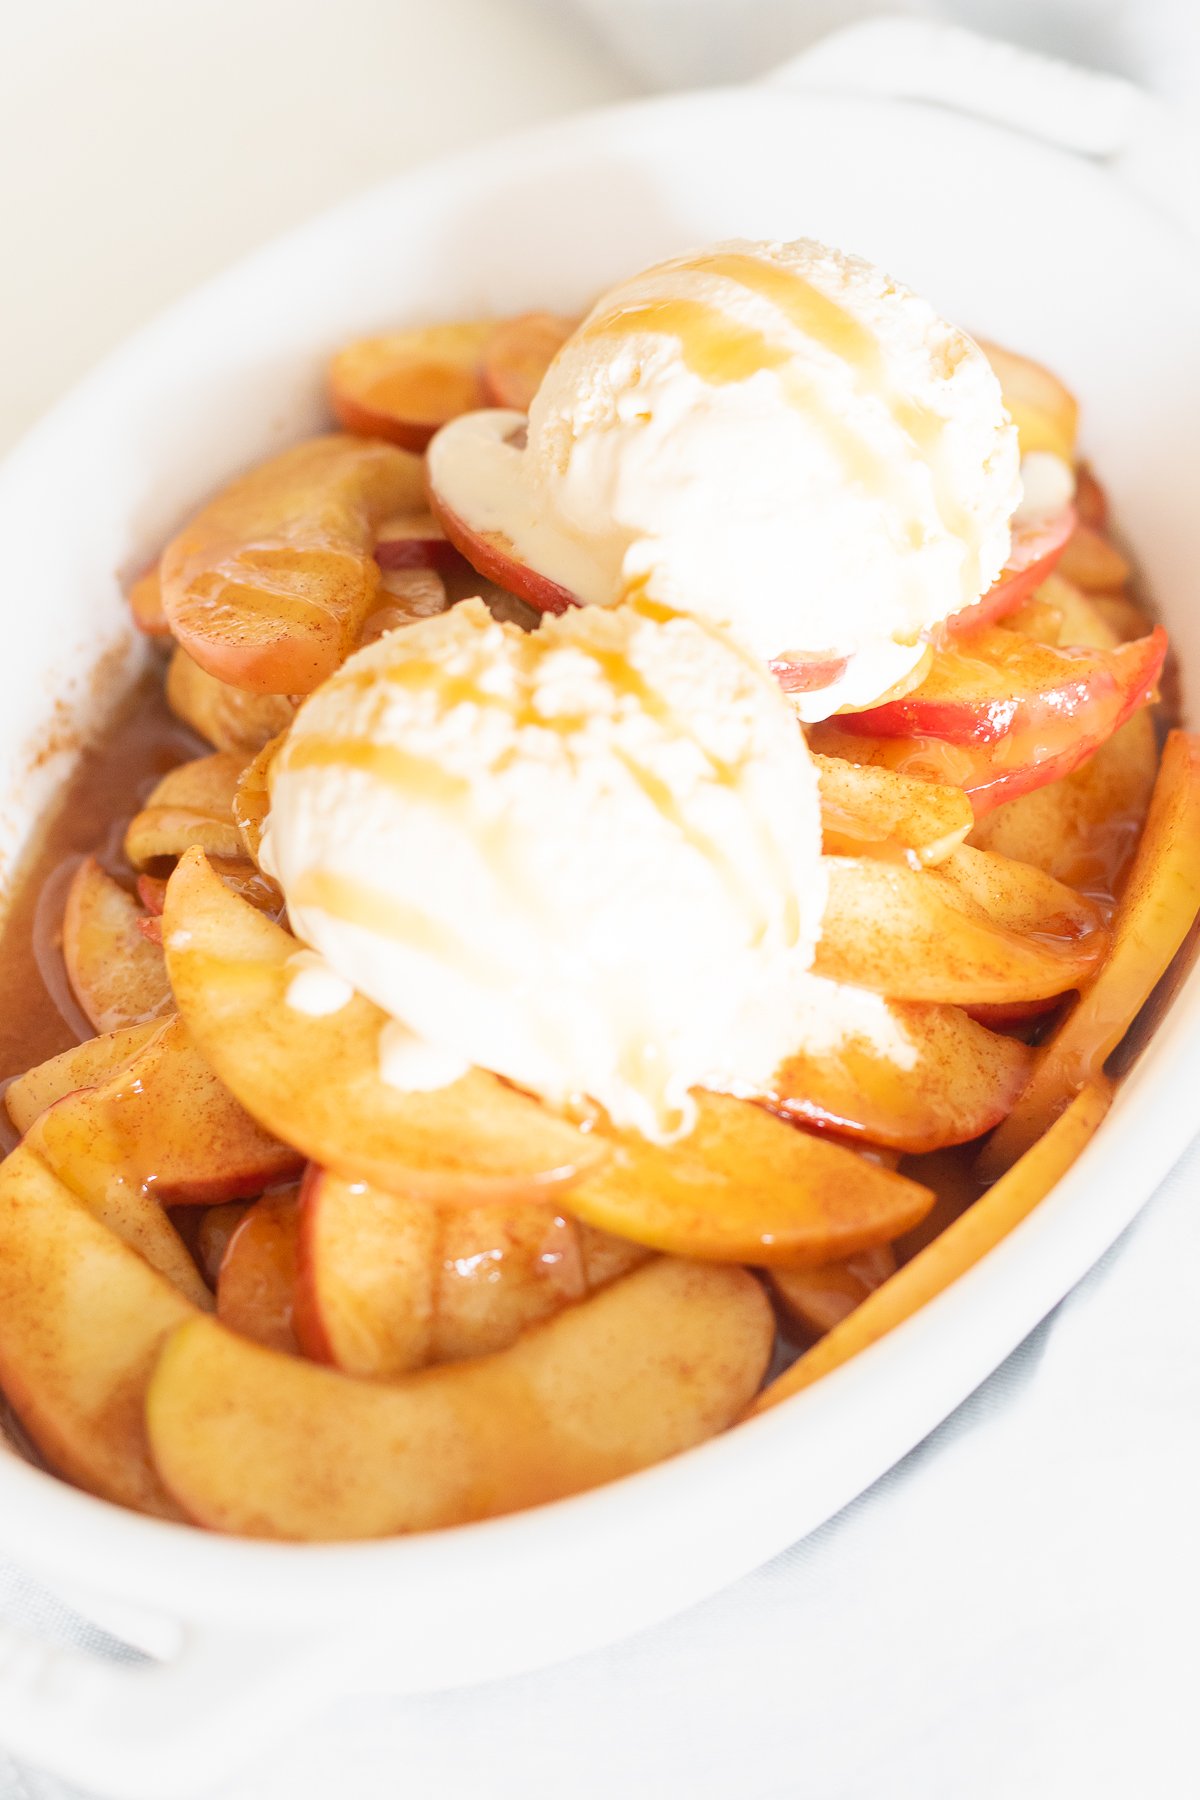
{"x": 1013, "y": 1610}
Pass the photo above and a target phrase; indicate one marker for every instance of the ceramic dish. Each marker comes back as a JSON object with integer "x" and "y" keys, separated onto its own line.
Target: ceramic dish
{"x": 1051, "y": 222}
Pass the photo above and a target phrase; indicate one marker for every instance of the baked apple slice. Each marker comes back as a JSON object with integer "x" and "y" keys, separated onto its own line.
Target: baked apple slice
{"x": 958, "y": 1248}
{"x": 1082, "y": 830}
{"x": 517, "y": 355}
{"x": 268, "y": 586}
{"x": 744, "y": 1186}
{"x": 406, "y": 384}
{"x": 813, "y": 1301}
{"x": 146, "y": 604}
{"x": 84, "y": 1065}
{"x": 192, "y": 804}
{"x": 867, "y": 810}
{"x": 388, "y": 1283}
{"x": 82, "y": 1321}
{"x": 956, "y": 1081}
{"x": 317, "y": 1078}
{"x": 256, "y": 1282}
{"x": 1156, "y": 912}
{"x": 162, "y": 1127}
{"x": 413, "y": 541}
{"x": 118, "y": 977}
{"x": 917, "y": 935}
{"x": 1036, "y": 550}
{"x": 1093, "y": 562}
{"x": 229, "y": 717}
{"x": 266, "y": 1445}
{"x": 214, "y": 1228}
{"x": 998, "y": 685}
{"x": 1007, "y": 720}
{"x": 1044, "y": 411}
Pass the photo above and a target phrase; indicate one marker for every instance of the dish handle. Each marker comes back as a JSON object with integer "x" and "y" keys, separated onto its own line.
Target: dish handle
{"x": 1145, "y": 141}
{"x": 162, "y": 1730}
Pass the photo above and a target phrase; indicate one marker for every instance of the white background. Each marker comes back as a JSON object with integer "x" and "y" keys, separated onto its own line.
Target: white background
{"x": 1014, "y": 1611}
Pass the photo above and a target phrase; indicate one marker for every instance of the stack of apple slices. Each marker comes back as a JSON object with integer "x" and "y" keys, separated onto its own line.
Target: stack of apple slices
{"x": 245, "y": 1282}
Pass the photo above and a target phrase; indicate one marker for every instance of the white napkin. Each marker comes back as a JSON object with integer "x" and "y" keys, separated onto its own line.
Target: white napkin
{"x": 1013, "y": 1611}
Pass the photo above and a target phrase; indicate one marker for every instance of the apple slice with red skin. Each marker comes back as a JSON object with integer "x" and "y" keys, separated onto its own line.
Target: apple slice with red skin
{"x": 963, "y": 1079}
{"x": 413, "y": 541}
{"x": 82, "y": 1321}
{"x": 1030, "y": 715}
{"x": 317, "y": 1078}
{"x": 85, "y": 1065}
{"x": 268, "y": 586}
{"x": 1036, "y": 549}
{"x": 494, "y": 556}
{"x": 163, "y": 1123}
{"x": 517, "y": 355}
{"x": 918, "y": 935}
{"x": 1002, "y": 684}
{"x": 405, "y": 385}
{"x": 1092, "y": 562}
{"x": 744, "y": 1186}
{"x": 274, "y": 1446}
{"x": 118, "y": 977}
{"x": 256, "y": 1282}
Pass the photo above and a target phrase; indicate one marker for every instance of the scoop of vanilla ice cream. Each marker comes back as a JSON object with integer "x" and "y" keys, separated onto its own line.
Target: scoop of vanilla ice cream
{"x": 586, "y": 858}
{"x": 776, "y": 436}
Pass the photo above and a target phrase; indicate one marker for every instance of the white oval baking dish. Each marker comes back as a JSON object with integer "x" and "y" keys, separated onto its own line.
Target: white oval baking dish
{"x": 1053, "y": 219}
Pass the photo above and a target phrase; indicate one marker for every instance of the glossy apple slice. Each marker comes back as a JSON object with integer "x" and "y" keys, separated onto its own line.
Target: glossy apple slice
{"x": 271, "y": 1446}
{"x": 744, "y": 1186}
{"x": 958, "y": 1248}
{"x": 256, "y": 1282}
{"x": 162, "y": 1127}
{"x": 1045, "y": 413}
{"x": 403, "y": 386}
{"x": 269, "y": 584}
{"x": 956, "y": 1081}
{"x": 387, "y": 1283}
{"x": 1156, "y": 912}
{"x": 876, "y": 811}
{"x": 917, "y": 935}
{"x": 84, "y": 1065}
{"x": 318, "y": 1081}
{"x": 1000, "y": 685}
{"x": 517, "y": 355}
{"x": 229, "y": 717}
{"x": 146, "y": 604}
{"x": 813, "y": 1301}
{"x": 252, "y": 799}
{"x": 82, "y": 1320}
{"x": 192, "y": 804}
{"x": 366, "y": 1285}
{"x": 118, "y": 977}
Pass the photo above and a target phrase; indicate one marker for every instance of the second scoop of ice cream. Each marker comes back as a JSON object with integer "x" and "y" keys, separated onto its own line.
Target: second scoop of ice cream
{"x": 775, "y": 436}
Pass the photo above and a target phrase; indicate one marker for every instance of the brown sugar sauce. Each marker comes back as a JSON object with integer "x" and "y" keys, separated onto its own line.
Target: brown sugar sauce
{"x": 39, "y": 1016}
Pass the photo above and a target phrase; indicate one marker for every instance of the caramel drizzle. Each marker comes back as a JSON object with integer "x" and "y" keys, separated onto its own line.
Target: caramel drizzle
{"x": 719, "y": 349}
